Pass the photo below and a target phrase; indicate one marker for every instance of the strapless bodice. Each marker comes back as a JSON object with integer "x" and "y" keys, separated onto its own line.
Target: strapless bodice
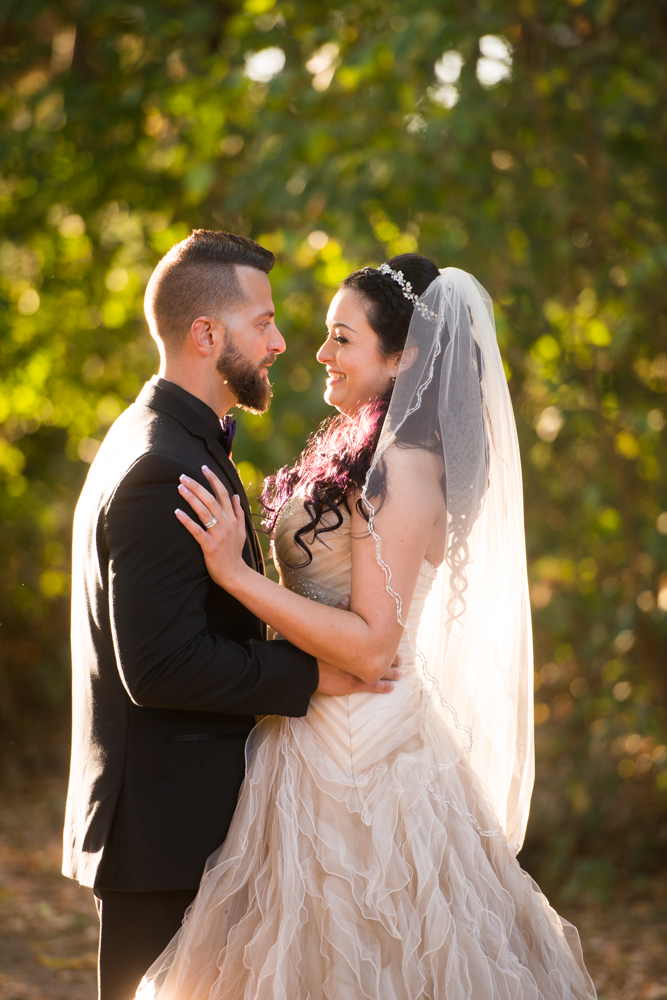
{"x": 329, "y": 576}
{"x": 358, "y": 730}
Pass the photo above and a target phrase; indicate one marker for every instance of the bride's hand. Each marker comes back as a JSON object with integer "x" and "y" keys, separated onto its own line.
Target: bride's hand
{"x": 222, "y": 542}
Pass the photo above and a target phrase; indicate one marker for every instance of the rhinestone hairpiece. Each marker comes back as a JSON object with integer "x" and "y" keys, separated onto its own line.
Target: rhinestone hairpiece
{"x": 406, "y": 288}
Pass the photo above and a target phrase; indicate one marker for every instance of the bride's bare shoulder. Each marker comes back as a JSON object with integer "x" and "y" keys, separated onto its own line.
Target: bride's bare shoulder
{"x": 409, "y": 467}
{"x": 403, "y": 474}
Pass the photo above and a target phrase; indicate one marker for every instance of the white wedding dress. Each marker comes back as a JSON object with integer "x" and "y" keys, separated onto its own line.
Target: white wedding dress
{"x": 363, "y": 860}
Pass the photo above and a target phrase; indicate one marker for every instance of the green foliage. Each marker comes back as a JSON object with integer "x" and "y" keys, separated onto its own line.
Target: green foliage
{"x": 125, "y": 126}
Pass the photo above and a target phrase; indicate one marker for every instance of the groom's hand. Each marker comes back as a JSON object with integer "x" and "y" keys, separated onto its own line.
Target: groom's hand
{"x": 335, "y": 682}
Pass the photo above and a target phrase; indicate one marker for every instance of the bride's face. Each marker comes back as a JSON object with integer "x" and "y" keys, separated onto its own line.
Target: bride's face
{"x": 357, "y": 370}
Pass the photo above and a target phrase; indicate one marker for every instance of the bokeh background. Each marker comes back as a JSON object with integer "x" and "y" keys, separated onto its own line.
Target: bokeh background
{"x": 522, "y": 140}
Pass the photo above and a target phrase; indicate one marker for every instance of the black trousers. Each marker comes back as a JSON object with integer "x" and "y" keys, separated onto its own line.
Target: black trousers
{"x": 134, "y": 928}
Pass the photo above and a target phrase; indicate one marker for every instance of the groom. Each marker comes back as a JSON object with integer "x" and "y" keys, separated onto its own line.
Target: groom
{"x": 169, "y": 671}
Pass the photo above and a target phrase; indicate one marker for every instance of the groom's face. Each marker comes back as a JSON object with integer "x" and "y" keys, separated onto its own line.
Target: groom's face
{"x": 251, "y": 342}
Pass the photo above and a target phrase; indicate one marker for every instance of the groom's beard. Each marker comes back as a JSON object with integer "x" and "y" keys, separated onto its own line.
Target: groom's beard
{"x": 252, "y": 390}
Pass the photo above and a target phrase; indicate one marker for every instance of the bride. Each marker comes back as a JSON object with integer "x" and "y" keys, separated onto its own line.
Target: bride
{"x": 372, "y": 852}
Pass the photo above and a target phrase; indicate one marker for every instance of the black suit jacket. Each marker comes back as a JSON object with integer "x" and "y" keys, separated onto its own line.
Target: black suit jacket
{"x": 169, "y": 670}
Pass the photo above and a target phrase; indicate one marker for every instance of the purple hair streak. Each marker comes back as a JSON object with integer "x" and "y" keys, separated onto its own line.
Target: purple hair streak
{"x": 331, "y": 468}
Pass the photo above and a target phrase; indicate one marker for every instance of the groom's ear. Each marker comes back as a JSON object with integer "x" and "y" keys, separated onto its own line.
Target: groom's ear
{"x": 204, "y": 334}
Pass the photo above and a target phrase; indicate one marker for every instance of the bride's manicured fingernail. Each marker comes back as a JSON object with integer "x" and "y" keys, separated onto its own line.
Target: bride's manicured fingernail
{"x": 205, "y": 468}
{"x": 184, "y": 478}
{"x": 182, "y": 488}
{"x": 178, "y": 511}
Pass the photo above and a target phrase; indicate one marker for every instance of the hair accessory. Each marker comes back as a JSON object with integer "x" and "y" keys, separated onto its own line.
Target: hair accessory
{"x": 406, "y": 287}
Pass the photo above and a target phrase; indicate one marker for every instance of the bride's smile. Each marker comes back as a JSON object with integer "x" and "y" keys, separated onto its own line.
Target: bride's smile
{"x": 357, "y": 368}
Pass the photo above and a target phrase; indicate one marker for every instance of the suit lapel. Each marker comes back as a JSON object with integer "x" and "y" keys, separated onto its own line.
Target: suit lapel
{"x": 228, "y": 467}
{"x": 201, "y": 421}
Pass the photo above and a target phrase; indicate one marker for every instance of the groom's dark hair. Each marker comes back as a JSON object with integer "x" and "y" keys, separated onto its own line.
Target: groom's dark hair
{"x": 198, "y": 277}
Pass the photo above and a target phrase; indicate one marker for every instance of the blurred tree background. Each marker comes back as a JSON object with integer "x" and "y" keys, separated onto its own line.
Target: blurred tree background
{"x": 522, "y": 140}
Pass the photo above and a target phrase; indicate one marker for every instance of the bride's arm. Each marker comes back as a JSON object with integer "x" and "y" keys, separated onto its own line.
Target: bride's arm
{"x": 362, "y": 641}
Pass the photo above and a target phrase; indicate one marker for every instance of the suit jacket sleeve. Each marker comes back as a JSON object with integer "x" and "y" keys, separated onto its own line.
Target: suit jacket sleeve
{"x": 158, "y": 587}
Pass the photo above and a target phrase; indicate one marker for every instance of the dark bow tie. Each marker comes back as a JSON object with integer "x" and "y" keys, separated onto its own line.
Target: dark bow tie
{"x": 227, "y": 432}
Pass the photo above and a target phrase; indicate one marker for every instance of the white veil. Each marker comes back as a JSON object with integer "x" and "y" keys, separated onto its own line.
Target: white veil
{"x": 475, "y": 641}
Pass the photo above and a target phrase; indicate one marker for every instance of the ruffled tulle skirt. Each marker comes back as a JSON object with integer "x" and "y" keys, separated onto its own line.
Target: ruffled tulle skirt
{"x": 392, "y": 885}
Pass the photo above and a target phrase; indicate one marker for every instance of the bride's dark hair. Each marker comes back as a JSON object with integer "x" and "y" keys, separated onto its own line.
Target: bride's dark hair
{"x": 338, "y": 455}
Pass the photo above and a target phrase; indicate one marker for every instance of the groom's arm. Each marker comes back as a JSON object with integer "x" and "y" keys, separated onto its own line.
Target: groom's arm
{"x": 158, "y": 588}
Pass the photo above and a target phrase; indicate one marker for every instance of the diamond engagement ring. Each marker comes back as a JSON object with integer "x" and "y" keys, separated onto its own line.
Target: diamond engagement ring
{"x": 209, "y": 524}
